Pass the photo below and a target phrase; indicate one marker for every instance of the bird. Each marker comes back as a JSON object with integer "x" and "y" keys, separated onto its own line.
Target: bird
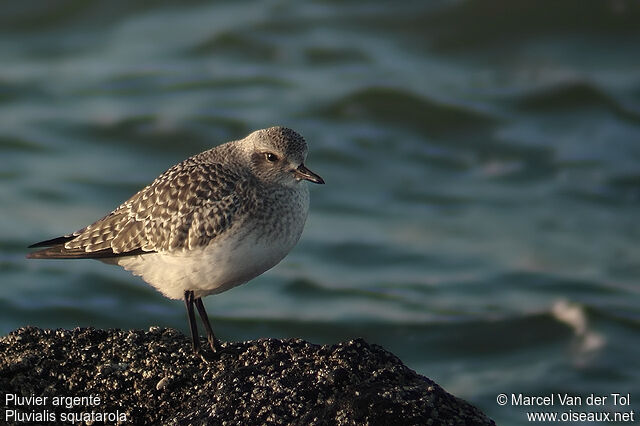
{"x": 210, "y": 223}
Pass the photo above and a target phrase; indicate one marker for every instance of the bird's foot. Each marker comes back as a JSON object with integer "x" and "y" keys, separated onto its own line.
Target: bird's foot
{"x": 228, "y": 350}
{"x": 207, "y": 357}
{"x": 217, "y": 351}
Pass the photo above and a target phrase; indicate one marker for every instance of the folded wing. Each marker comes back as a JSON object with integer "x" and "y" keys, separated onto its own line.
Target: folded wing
{"x": 188, "y": 206}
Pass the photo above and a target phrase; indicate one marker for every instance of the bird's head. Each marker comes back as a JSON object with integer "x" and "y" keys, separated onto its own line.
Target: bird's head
{"x": 277, "y": 156}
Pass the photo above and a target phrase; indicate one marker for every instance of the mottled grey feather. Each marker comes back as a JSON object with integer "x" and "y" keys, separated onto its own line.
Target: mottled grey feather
{"x": 185, "y": 207}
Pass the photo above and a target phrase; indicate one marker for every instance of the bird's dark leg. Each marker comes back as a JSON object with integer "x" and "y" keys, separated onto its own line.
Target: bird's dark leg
{"x": 195, "y": 339}
{"x": 213, "y": 342}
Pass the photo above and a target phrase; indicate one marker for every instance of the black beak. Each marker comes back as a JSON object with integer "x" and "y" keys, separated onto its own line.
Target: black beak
{"x": 303, "y": 173}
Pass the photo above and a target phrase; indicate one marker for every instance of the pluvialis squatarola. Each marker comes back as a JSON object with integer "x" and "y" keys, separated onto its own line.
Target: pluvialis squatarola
{"x": 210, "y": 223}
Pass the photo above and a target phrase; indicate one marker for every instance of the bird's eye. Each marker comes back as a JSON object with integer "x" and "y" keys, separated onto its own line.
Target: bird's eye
{"x": 271, "y": 157}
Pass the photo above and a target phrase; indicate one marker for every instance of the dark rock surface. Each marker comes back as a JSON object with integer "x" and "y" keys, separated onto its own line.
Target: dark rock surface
{"x": 152, "y": 377}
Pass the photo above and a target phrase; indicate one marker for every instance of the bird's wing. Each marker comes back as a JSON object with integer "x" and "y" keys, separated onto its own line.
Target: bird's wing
{"x": 186, "y": 207}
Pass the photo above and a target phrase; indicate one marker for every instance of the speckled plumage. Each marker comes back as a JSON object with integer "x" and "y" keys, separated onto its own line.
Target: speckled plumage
{"x": 209, "y": 223}
{"x": 185, "y": 207}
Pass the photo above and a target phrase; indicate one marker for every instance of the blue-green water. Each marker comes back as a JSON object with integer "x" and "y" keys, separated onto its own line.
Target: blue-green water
{"x": 481, "y": 213}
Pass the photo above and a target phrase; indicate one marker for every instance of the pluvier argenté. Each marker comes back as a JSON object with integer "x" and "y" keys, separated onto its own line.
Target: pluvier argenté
{"x": 210, "y": 223}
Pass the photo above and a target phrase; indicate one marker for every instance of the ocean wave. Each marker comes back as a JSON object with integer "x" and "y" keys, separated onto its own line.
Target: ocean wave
{"x": 573, "y": 95}
{"x": 393, "y": 106}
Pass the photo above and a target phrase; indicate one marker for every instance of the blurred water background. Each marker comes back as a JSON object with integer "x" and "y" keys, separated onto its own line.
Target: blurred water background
{"x": 482, "y": 159}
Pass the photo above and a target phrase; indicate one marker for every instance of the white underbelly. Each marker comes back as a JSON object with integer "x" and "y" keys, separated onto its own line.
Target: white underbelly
{"x": 208, "y": 270}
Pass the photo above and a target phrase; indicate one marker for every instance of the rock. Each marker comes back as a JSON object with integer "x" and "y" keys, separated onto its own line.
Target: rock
{"x": 133, "y": 376}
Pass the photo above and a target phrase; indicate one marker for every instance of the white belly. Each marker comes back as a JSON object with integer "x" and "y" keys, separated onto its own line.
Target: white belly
{"x": 211, "y": 269}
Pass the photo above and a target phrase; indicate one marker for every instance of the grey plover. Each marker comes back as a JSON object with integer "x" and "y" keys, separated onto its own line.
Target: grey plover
{"x": 212, "y": 222}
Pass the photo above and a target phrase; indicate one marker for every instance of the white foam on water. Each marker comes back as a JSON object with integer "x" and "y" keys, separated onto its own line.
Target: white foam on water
{"x": 574, "y": 316}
